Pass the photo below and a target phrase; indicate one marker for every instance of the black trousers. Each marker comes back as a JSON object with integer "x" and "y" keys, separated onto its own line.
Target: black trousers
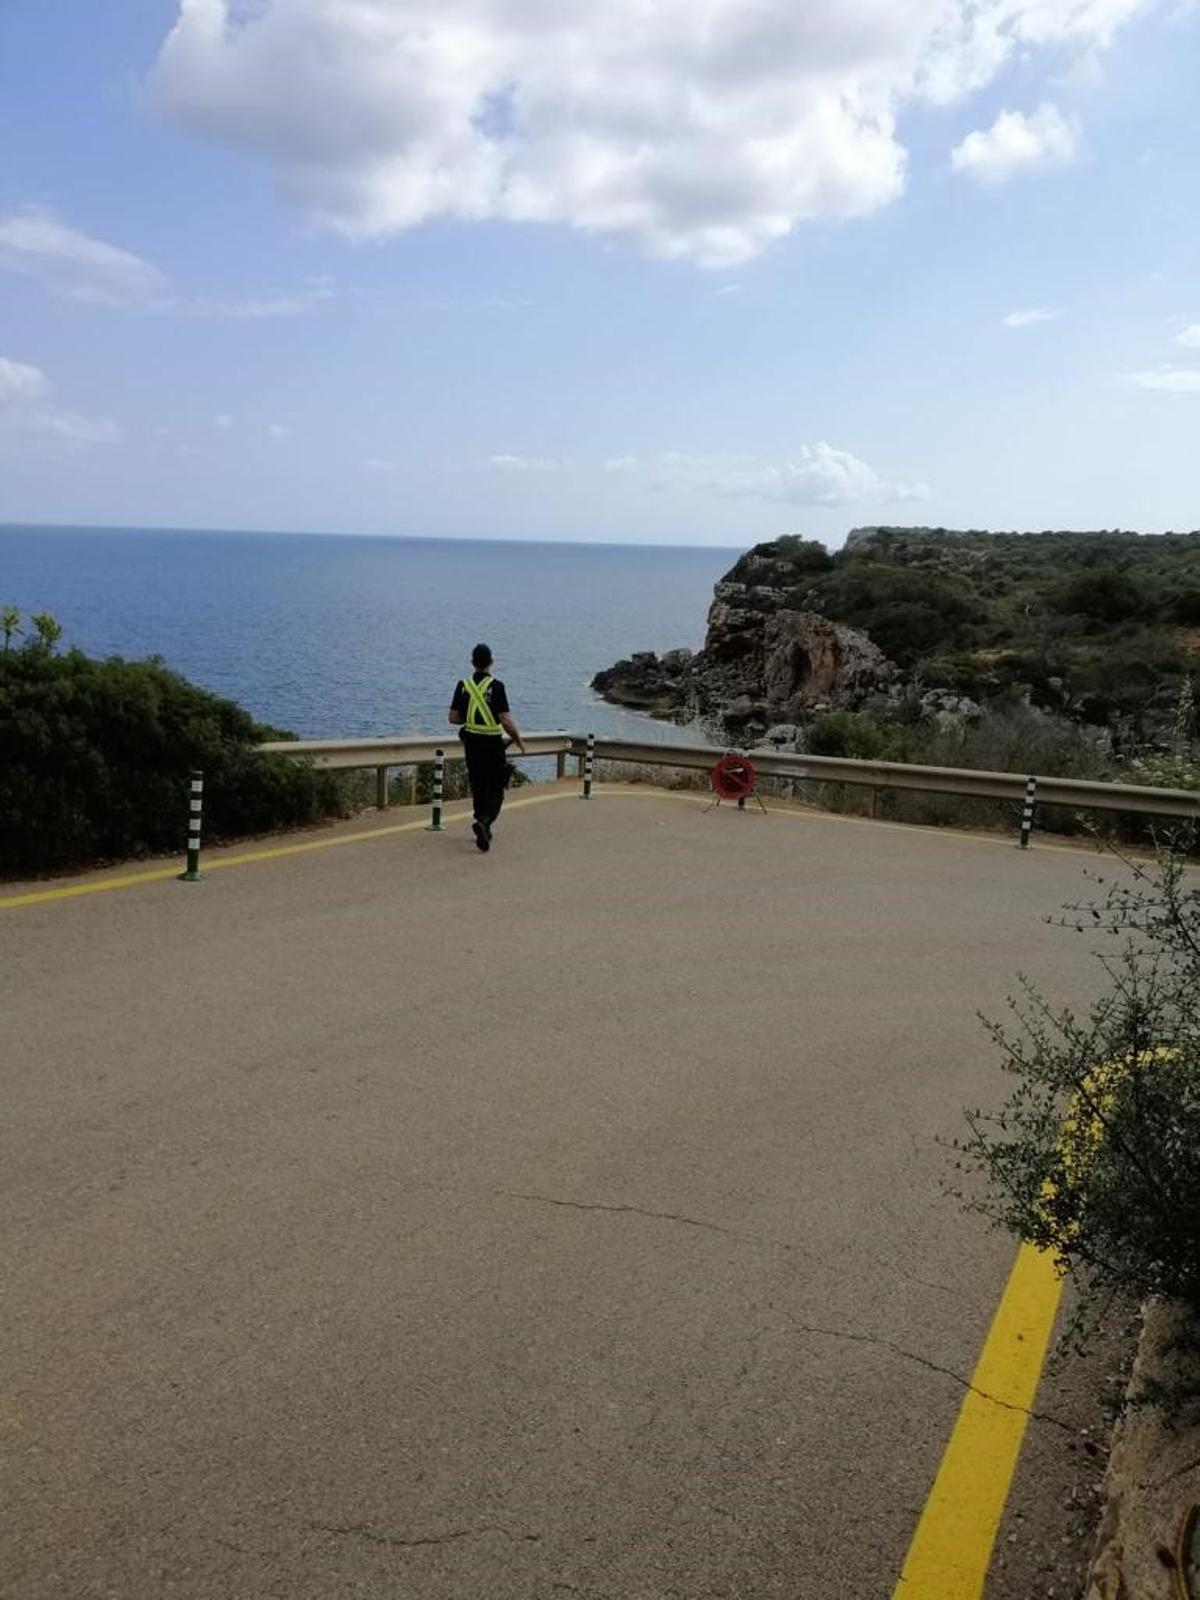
{"x": 487, "y": 770}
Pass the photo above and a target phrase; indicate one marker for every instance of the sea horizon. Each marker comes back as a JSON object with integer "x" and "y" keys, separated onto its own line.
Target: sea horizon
{"x": 360, "y": 635}
{"x": 19, "y": 526}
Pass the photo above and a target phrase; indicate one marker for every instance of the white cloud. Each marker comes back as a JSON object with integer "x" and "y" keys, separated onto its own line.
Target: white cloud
{"x": 76, "y": 266}
{"x": 1029, "y": 318}
{"x": 36, "y": 244}
{"x": 1190, "y": 337}
{"x": 21, "y": 385}
{"x": 223, "y": 421}
{"x": 819, "y": 475}
{"x": 1169, "y": 380}
{"x": 621, "y": 464}
{"x": 30, "y": 416}
{"x": 375, "y": 465}
{"x": 277, "y": 430}
{"x": 508, "y": 463}
{"x": 698, "y": 131}
{"x": 1015, "y": 144}
{"x": 278, "y": 303}
{"x": 910, "y": 491}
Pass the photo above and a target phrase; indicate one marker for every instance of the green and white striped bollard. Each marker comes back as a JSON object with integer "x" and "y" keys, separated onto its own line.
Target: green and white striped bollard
{"x": 589, "y": 766}
{"x": 1027, "y": 811}
{"x": 195, "y": 807}
{"x": 439, "y": 789}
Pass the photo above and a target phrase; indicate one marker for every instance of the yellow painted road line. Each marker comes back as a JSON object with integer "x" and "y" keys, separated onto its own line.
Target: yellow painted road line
{"x": 815, "y": 814}
{"x": 242, "y": 858}
{"x": 126, "y": 881}
{"x": 951, "y": 1550}
{"x": 212, "y": 863}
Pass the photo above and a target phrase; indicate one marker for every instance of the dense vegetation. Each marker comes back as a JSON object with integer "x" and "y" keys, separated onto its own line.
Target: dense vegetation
{"x": 1095, "y": 1155}
{"x": 1097, "y": 625}
{"x": 97, "y": 756}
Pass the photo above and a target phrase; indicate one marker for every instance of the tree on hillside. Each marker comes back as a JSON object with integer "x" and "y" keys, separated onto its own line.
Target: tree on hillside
{"x": 49, "y": 631}
{"x": 1105, "y": 594}
{"x": 10, "y": 624}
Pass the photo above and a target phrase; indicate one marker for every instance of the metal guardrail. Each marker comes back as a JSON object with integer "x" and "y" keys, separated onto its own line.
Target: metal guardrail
{"x": 349, "y": 755}
{"x": 1082, "y": 794}
{"x": 406, "y": 751}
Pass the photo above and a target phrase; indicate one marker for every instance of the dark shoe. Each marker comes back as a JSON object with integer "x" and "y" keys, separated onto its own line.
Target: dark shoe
{"x": 483, "y": 838}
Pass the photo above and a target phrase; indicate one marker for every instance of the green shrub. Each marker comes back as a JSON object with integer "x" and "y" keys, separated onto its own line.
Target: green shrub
{"x": 1006, "y": 737}
{"x": 97, "y": 756}
{"x": 1104, "y": 594}
{"x": 909, "y": 611}
{"x": 1010, "y": 737}
{"x": 803, "y": 555}
{"x": 1095, "y": 1155}
{"x": 849, "y": 734}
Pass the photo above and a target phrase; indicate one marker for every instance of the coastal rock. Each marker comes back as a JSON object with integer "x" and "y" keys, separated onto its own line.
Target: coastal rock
{"x": 745, "y": 711}
{"x": 766, "y": 660}
{"x": 789, "y": 661}
{"x": 647, "y": 682}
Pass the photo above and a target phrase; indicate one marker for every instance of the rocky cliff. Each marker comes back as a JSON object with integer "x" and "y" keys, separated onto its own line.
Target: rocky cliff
{"x": 1099, "y": 630}
{"x": 766, "y": 659}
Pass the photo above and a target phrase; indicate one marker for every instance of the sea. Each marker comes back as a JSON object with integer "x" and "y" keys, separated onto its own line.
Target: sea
{"x": 339, "y": 636}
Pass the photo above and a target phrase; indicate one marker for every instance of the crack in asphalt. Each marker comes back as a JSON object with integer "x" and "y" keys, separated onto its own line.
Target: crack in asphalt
{"x": 360, "y": 1530}
{"x": 931, "y": 1366}
{"x": 921, "y": 1283}
{"x": 640, "y": 1211}
{"x": 716, "y": 1227}
{"x": 809, "y": 1328}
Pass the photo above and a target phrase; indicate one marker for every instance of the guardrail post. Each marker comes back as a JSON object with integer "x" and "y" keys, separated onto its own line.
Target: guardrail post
{"x": 381, "y": 795}
{"x": 1027, "y": 811}
{"x": 560, "y": 765}
{"x": 589, "y": 765}
{"x": 195, "y": 807}
{"x": 439, "y": 776}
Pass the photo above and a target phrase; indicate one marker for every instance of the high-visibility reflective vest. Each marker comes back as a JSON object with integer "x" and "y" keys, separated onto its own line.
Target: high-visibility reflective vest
{"x": 480, "y": 717}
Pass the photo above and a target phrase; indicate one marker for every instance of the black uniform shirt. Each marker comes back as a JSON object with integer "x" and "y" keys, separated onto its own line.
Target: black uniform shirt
{"x": 496, "y": 697}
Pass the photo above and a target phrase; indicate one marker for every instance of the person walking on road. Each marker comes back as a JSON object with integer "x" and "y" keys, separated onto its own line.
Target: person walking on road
{"x": 479, "y": 710}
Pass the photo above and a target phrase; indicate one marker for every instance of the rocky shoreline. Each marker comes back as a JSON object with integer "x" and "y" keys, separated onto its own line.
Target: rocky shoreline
{"x": 767, "y": 664}
{"x": 763, "y": 663}
{"x": 1096, "y": 635}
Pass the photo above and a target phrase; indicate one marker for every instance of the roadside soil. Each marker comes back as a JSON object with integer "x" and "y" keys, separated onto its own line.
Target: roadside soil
{"x": 1049, "y": 1527}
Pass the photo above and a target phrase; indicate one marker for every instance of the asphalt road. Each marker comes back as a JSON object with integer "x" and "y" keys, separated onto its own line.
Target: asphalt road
{"x": 391, "y": 1221}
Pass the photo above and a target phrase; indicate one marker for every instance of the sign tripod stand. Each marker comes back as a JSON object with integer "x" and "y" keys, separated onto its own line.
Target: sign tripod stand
{"x": 734, "y": 778}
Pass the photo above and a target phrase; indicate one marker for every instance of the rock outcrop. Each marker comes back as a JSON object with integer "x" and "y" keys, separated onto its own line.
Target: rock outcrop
{"x": 765, "y": 660}
{"x": 648, "y": 682}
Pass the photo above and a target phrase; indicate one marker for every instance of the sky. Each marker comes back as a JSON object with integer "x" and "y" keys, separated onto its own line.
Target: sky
{"x": 688, "y": 271}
